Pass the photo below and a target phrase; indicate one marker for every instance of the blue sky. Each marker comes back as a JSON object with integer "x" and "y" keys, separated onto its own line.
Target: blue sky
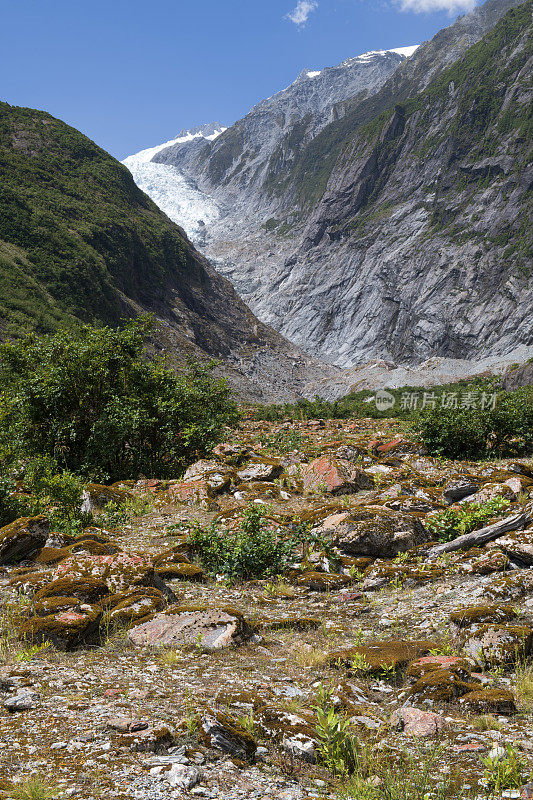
{"x": 132, "y": 74}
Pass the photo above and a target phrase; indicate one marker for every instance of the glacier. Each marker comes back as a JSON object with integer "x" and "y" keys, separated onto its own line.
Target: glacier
{"x": 174, "y": 193}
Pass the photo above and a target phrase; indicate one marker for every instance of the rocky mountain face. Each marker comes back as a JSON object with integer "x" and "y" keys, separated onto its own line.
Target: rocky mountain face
{"x": 241, "y": 164}
{"x": 396, "y": 231}
{"x": 79, "y": 242}
{"x": 421, "y": 244}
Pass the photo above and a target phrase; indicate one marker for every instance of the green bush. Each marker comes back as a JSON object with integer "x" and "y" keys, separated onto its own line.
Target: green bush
{"x": 92, "y": 403}
{"x": 10, "y": 508}
{"x": 454, "y": 433}
{"x": 506, "y": 429}
{"x": 255, "y": 549}
{"x": 447, "y": 525}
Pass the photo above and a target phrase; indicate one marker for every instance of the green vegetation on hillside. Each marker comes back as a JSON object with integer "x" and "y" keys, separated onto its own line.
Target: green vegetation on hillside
{"x": 78, "y": 239}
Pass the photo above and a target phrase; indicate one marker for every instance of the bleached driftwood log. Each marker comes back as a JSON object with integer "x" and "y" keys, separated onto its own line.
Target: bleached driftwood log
{"x": 513, "y": 523}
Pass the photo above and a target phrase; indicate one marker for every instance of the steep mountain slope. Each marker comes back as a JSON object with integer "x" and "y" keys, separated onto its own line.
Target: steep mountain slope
{"x": 238, "y": 167}
{"x": 421, "y": 244}
{"x": 80, "y": 242}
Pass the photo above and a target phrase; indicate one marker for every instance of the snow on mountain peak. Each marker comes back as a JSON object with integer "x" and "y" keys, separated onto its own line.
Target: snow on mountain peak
{"x": 313, "y": 73}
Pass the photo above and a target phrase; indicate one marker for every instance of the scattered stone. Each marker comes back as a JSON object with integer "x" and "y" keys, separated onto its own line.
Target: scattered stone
{"x": 22, "y": 701}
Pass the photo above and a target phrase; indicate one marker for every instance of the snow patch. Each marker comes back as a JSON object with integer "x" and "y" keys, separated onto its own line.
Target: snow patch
{"x": 404, "y": 51}
{"x": 313, "y": 73}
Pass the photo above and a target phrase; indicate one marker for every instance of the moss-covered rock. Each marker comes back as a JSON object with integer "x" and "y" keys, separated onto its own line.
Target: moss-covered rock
{"x": 182, "y": 572}
{"x": 324, "y": 581}
{"x": 132, "y": 608}
{"x": 86, "y": 589}
{"x": 121, "y": 571}
{"x": 52, "y": 555}
{"x": 375, "y": 531}
{"x": 489, "y": 701}
{"x": 509, "y": 588}
{"x": 66, "y": 629}
{"x": 382, "y": 657}
{"x": 334, "y": 477}
{"x": 23, "y": 539}
{"x": 440, "y": 686}
{"x": 498, "y": 644}
{"x": 417, "y": 669}
{"x": 482, "y": 614}
{"x": 221, "y": 732}
{"x": 96, "y": 496}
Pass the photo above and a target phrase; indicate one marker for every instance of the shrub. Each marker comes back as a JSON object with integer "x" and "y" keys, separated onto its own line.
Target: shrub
{"x": 91, "y": 402}
{"x": 255, "y": 549}
{"x": 447, "y": 525}
{"x": 454, "y": 433}
{"x": 337, "y": 746}
{"x": 507, "y": 429}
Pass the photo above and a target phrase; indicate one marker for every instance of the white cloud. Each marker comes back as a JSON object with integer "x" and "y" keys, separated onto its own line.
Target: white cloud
{"x": 300, "y": 14}
{"x": 426, "y": 6}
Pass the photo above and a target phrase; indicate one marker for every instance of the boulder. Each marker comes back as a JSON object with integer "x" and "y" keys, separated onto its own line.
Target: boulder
{"x": 489, "y": 701}
{"x": 196, "y": 492}
{"x": 268, "y": 469}
{"x": 133, "y": 607}
{"x": 334, "y": 477}
{"x": 96, "y": 496}
{"x": 382, "y": 657}
{"x": 427, "y": 664}
{"x": 84, "y": 588}
{"x": 220, "y": 732}
{"x": 482, "y": 614}
{"x": 66, "y": 629}
{"x": 208, "y": 628}
{"x": 458, "y": 488}
{"x": 375, "y": 531}
{"x": 181, "y": 571}
{"x": 119, "y": 572}
{"x": 488, "y": 492}
{"x": 518, "y": 545}
{"x": 295, "y": 732}
{"x": 22, "y": 539}
{"x": 441, "y": 686}
{"x": 492, "y": 645}
{"x": 323, "y": 581}
{"x": 509, "y": 588}
{"x": 417, "y": 723}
